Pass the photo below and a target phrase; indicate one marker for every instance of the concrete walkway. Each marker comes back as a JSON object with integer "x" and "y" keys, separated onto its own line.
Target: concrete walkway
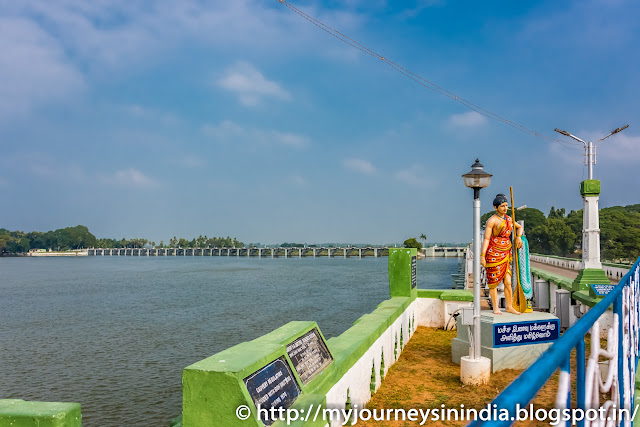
{"x": 571, "y": 274}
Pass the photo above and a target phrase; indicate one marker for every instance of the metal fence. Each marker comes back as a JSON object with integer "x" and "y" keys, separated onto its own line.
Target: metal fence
{"x": 602, "y": 399}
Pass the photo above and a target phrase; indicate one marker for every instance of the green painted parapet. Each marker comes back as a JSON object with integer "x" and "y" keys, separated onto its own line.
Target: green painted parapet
{"x": 271, "y": 371}
{"x": 215, "y": 387}
{"x": 589, "y": 276}
{"x": 21, "y": 413}
{"x": 403, "y": 272}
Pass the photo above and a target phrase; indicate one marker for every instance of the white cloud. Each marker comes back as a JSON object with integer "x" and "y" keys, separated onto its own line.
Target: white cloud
{"x": 415, "y": 176}
{"x": 42, "y": 166}
{"x": 50, "y": 50}
{"x": 131, "y": 178}
{"x": 231, "y": 132}
{"x": 250, "y": 85}
{"x": 564, "y": 27}
{"x": 413, "y": 10}
{"x": 34, "y": 70}
{"x": 300, "y": 181}
{"x": 193, "y": 161}
{"x": 469, "y": 119}
{"x": 360, "y": 165}
{"x": 623, "y": 148}
{"x": 140, "y": 112}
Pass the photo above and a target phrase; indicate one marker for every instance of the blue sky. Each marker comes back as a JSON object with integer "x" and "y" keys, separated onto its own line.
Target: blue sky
{"x": 154, "y": 119}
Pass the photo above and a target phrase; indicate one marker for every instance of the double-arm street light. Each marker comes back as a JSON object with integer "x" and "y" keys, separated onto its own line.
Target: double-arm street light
{"x": 477, "y": 178}
{"x": 590, "y": 147}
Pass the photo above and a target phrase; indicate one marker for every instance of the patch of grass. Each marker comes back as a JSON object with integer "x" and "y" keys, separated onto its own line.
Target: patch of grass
{"x": 425, "y": 378}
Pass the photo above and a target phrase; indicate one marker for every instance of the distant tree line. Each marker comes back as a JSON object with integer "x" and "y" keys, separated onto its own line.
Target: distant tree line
{"x": 561, "y": 234}
{"x": 79, "y": 237}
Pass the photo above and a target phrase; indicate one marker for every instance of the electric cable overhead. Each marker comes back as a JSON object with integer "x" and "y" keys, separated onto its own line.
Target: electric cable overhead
{"x": 422, "y": 81}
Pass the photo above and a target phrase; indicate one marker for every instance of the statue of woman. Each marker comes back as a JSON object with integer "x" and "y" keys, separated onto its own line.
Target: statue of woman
{"x": 496, "y": 252}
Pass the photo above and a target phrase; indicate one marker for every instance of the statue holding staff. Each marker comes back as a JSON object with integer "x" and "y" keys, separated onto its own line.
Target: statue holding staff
{"x": 496, "y": 252}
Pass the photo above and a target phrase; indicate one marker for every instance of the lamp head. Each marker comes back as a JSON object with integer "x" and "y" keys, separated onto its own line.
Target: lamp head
{"x": 477, "y": 177}
{"x": 563, "y": 132}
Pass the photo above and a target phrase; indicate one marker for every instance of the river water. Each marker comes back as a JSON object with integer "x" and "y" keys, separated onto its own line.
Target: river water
{"x": 114, "y": 333}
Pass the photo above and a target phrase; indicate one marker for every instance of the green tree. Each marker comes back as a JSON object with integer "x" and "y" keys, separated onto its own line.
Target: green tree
{"x": 412, "y": 243}
{"x": 620, "y": 233}
{"x": 556, "y": 213}
{"x": 4, "y": 241}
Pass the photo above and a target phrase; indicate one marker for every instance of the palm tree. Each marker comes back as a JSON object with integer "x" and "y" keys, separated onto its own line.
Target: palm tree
{"x": 423, "y": 237}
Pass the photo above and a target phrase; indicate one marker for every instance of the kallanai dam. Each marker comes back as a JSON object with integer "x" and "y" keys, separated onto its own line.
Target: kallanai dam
{"x": 286, "y": 252}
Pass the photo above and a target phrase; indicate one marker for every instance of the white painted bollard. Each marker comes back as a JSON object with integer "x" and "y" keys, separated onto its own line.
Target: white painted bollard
{"x": 475, "y": 371}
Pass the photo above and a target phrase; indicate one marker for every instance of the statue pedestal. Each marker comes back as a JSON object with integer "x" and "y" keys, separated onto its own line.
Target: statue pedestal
{"x": 508, "y": 340}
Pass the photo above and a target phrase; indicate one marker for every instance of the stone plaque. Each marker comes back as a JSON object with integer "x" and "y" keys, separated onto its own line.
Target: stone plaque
{"x": 601, "y": 290}
{"x": 273, "y": 386}
{"x": 522, "y": 333}
{"x": 309, "y": 355}
{"x": 414, "y": 272}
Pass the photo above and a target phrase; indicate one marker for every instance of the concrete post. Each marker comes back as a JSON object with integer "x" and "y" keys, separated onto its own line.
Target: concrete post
{"x": 591, "y": 271}
{"x": 590, "y": 233}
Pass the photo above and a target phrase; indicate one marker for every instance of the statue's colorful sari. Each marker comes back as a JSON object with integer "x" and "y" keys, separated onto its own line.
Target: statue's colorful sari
{"x": 498, "y": 255}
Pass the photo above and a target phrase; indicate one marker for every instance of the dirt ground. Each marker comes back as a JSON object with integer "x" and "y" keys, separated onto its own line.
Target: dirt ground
{"x": 425, "y": 378}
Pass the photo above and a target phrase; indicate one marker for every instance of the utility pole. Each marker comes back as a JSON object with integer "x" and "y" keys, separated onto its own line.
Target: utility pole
{"x": 591, "y": 271}
{"x": 590, "y": 147}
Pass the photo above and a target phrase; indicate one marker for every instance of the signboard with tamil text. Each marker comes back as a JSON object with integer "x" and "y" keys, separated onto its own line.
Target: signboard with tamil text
{"x": 522, "y": 333}
{"x": 273, "y": 386}
{"x": 600, "y": 290}
{"x": 309, "y": 355}
{"x": 414, "y": 275}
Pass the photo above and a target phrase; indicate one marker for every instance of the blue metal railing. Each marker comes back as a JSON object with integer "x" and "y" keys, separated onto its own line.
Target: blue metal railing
{"x": 519, "y": 393}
